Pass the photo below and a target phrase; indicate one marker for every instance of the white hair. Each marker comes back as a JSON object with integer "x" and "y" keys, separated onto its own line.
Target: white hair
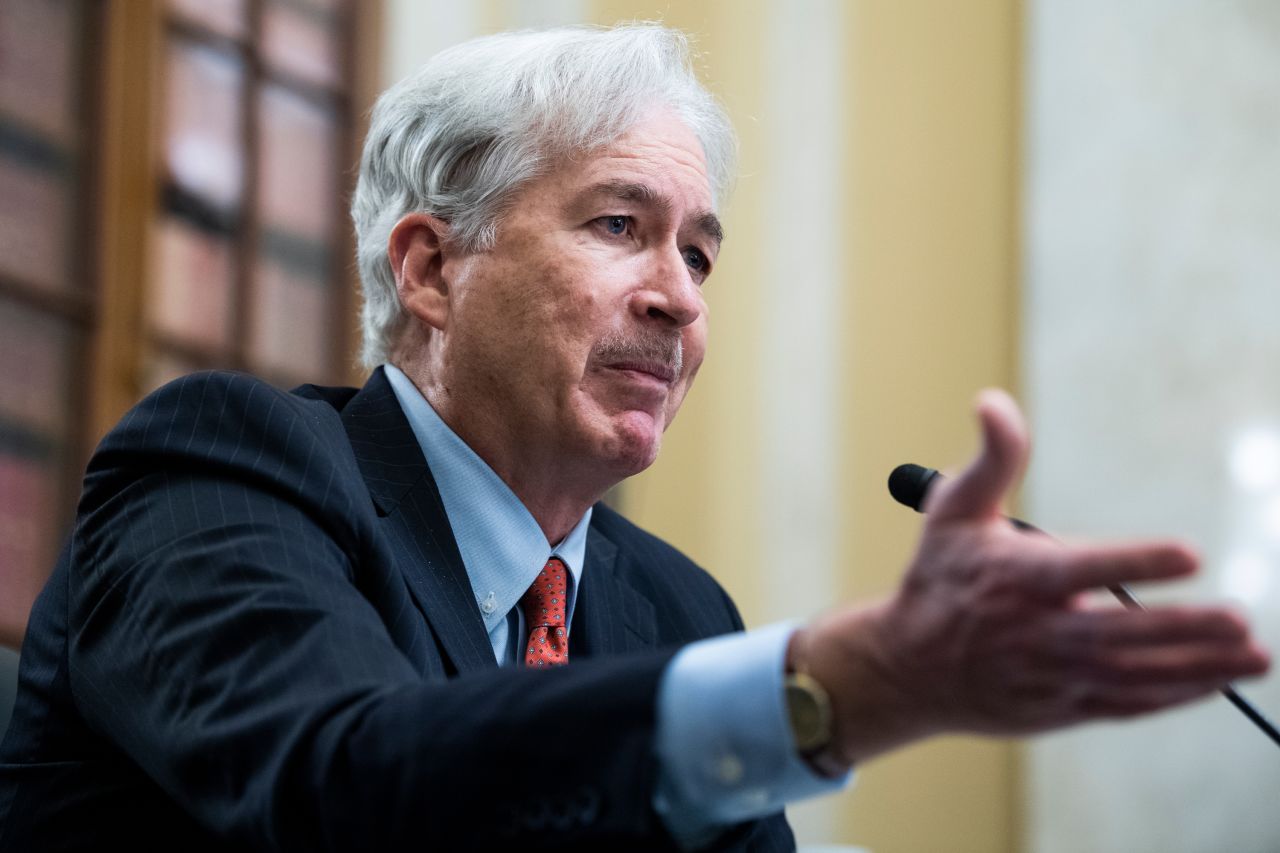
{"x": 479, "y": 120}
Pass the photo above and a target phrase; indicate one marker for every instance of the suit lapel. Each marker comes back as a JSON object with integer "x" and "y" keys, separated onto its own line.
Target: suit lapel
{"x": 610, "y": 616}
{"x": 409, "y": 505}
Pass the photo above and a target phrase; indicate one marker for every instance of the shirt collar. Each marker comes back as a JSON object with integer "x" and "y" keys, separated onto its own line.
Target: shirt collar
{"x": 502, "y": 546}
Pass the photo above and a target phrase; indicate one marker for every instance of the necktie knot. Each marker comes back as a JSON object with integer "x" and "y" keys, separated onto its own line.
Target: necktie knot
{"x": 544, "y": 607}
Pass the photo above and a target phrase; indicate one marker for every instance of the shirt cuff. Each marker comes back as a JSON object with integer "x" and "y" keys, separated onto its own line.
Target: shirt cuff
{"x": 724, "y": 743}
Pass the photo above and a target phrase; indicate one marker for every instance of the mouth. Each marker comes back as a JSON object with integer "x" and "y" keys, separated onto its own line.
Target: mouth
{"x": 651, "y": 371}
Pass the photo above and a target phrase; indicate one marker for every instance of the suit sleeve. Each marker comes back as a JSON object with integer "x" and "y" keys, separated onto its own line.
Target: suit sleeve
{"x": 221, "y": 640}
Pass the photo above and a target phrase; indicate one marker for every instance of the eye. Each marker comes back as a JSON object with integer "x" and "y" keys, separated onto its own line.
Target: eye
{"x": 696, "y": 260}
{"x": 615, "y": 225}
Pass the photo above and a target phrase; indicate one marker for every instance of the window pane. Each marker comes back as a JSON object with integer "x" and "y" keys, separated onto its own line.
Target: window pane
{"x": 35, "y": 397}
{"x": 330, "y": 7}
{"x": 30, "y": 526}
{"x": 34, "y": 211}
{"x": 297, "y": 179}
{"x": 221, "y": 16}
{"x": 291, "y": 321}
{"x": 36, "y": 71}
{"x": 302, "y": 39}
{"x": 202, "y": 120}
{"x": 193, "y": 283}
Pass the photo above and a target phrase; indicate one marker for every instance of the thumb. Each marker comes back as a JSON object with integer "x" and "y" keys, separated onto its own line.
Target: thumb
{"x": 980, "y": 488}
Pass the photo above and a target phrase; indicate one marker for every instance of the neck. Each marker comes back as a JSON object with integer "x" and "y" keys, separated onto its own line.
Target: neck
{"x": 553, "y": 489}
{"x": 543, "y": 482}
{"x": 556, "y": 512}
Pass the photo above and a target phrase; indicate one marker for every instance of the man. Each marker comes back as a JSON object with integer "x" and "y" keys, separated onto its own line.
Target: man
{"x": 279, "y": 621}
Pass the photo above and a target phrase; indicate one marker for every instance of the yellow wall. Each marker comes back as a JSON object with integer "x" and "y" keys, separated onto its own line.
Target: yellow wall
{"x": 933, "y": 318}
{"x": 930, "y": 312}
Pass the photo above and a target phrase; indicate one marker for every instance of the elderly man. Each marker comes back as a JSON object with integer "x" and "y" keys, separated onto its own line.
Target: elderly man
{"x": 337, "y": 619}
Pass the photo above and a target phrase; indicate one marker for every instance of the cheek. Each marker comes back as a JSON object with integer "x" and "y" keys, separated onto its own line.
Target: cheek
{"x": 561, "y": 319}
{"x": 563, "y": 293}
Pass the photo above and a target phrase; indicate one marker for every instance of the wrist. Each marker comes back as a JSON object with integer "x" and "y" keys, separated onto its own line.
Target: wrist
{"x": 850, "y": 654}
{"x": 810, "y": 713}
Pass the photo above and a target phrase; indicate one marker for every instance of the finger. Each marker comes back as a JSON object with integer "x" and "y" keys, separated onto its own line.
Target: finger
{"x": 1038, "y": 706}
{"x": 979, "y": 490}
{"x": 1074, "y": 569}
{"x": 1132, "y": 703}
{"x": 1088, "y": 631}
{"x": 1174, "y": 666}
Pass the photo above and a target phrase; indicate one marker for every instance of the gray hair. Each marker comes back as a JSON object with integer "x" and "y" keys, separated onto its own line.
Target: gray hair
{"x": 458, "y": 138}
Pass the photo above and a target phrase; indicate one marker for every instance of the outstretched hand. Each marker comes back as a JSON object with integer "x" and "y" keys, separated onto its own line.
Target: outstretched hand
{"x": 990, "y": 632}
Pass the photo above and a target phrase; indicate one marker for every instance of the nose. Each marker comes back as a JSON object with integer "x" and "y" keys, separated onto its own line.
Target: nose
{"x": 668, "y": 293}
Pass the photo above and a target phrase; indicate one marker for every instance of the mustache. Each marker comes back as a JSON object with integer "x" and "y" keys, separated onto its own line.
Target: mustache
{"x": 645, "y": 347}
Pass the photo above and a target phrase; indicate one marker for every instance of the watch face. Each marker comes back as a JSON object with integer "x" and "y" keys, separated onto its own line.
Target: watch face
{"x": 809, "y": 719}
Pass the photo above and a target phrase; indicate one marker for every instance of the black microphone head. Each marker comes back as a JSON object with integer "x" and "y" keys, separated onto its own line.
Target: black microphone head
{"x": 909, "y": 484}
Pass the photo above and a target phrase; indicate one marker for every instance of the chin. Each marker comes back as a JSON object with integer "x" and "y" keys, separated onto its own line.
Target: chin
{"x": 634, "y": 443}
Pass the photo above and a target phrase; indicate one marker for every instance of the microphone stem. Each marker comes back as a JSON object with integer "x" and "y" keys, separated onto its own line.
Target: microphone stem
{"x": 1245, "y": 707}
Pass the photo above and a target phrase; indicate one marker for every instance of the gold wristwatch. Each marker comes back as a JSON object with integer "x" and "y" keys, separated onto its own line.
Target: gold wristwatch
{"x": 809, "y": 712}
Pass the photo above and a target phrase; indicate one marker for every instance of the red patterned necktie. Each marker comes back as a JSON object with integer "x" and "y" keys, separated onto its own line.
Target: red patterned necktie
{"x": 544, "y": 609}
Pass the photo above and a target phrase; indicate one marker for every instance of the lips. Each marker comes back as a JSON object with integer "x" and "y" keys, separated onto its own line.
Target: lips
{"x": 664, "y": 373}
{"x": 644, "y": 358}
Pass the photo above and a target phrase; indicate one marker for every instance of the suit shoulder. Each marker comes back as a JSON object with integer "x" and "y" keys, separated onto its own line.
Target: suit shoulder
{"x": 197, "y": 392}
{"x": 231, "y": 423}
{"x": 201, "y": 406}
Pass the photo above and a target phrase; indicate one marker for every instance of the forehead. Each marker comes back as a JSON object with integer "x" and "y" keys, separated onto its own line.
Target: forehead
{"x": 659, "y": 153}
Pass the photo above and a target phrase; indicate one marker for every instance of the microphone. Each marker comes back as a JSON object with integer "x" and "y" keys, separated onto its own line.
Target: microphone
{"x": 909, "y": 485}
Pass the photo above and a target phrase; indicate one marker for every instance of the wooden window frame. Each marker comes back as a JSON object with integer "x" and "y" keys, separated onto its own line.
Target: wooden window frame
{"x": 136, "y": 33}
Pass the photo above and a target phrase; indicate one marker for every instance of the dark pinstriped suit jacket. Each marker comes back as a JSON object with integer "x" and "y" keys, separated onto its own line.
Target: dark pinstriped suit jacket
{"x": 261, "y": 635}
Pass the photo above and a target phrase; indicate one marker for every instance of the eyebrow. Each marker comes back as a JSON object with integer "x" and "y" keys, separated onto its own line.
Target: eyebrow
{"x": 706, "y": 222}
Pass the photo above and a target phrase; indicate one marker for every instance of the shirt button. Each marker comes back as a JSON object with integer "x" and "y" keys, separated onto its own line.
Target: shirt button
{"x": 489, "y": 605}
{"x": 729, "y": 769}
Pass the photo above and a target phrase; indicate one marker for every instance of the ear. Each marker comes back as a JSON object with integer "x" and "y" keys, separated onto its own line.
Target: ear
{"x": 415, "y": 251}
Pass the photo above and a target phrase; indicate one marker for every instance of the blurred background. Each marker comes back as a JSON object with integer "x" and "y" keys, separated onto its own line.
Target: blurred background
{"x": 1078, "y": 200}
